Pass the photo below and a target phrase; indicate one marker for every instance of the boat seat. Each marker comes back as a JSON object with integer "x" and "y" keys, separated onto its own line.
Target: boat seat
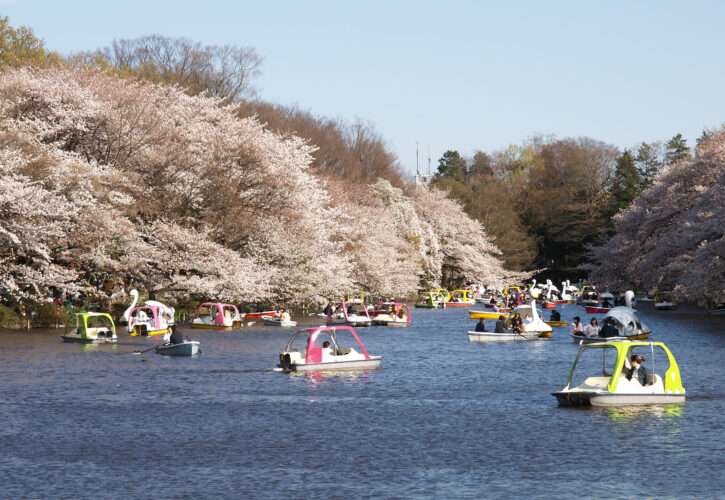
{"x": 343, "y": 352}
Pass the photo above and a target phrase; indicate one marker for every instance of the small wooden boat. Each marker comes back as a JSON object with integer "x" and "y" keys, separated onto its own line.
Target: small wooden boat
{"x": 500, "y": 337}
{"x": 320, "y": 358}
{"x": 616, "y": 386}
{"x": 188, "y": 348}
{"x": 91, "y": 328}
{"x": 473, "y": 314}
{"x": 272, "y": 321}
{"x": 549, "y": 305}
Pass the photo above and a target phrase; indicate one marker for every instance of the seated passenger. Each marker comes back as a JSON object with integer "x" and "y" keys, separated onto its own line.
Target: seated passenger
{"x": 592, "y": 329}
{"x": 555, "y": 315}
{"x": 500, "y": 326}
{"x": 608, "y": 330}
{"x": 326, "y": 348}
{"x": 176, "y": 336}
{"x": 285, "y": 315}
{"x": 576, "y": 327}
{"x": 481, "y": 325}
{"x": 639, "y": 372}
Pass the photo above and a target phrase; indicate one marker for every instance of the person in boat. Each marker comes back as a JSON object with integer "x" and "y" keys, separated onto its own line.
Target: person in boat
{"x": 638, "y": 371}
{"x": 328, "y": 309}
{"x": 606, "y": 304}
{"x": 176, "y": 336}
{"x": 401, "y": 313}
{"x": 326, "y": 347}
{"x": 576, "y": 327}
{"x": 517, "y": 324}
{"x": 285, "y": 315}
{"x": 555, "y": 315}
{"x": 500, "y": 324}
{"x": 592, "y": 329}
{"x": 481, "y": 325}
{"x": 608, "y": 329}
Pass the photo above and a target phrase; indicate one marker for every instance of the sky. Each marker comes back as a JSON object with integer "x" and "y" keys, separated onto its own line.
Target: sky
{"x": 459, "y": 75}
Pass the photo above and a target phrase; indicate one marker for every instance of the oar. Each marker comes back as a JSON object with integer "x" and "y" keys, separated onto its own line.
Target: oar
{"x": 147, "y": 350}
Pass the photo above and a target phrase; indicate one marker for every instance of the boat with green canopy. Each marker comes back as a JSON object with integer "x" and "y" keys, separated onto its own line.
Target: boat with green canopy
{"x": 90, "y": 328}
{"x": 617, "y": 385}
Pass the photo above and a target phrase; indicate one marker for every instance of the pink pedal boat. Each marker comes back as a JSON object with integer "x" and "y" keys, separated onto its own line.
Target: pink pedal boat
{"x": 317, "y": 358}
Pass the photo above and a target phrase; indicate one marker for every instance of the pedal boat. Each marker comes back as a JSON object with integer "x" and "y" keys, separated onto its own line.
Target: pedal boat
{"x": 216, "y": 316}
{"x": 590, "y": 298}
{"x": 349, "y": 313}
{"x": 435, "y": 299}
{"x": 147, "y": 321}
{"x": 615, "y": 389}
{"x": 390, "y": 314}
{"x": 316, "y": 358}
{"x": 461, "y": 298}
{"x": 626, "y": 323}
{"x": 274, "y": 321}
{"x": 188, "y": 348}
{"x": 663, "y": 301}
{"x": 90, "y": 328}
{"x": 533, "y": 325}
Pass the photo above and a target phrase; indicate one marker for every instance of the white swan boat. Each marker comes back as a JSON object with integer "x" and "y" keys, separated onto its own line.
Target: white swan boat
{"x": 152, "y": 318}
{"x": 316, "y": 357}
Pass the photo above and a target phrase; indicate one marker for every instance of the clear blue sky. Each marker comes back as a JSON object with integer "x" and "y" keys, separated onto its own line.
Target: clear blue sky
{"x": 462, "y": 75}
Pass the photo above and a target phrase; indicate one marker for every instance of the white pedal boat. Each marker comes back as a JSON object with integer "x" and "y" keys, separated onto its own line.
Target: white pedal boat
{"x": 315, "y": 357}
{"x": 188, "y": 348}
{"x": 613, "y": 388}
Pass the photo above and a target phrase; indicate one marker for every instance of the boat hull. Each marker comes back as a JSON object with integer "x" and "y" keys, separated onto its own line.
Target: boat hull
{"x": 544, "y": 335}
{"x": 258, "y": 315}
{"x": 186, "y": 349}
{"x": 484, "y": 314}
{"x": 597, "y": 310}
{"x": 581, "y": 339}
{"x": 460, "y": 304}
{"x": 358, "y": 364}
{"x": 79, "y": 340}
{"x": 278, "y": 322}
{"x": 142, "y": 332}
{"x": 557, "y": 323}
{"x": 665, "y": 307}
{"x": 603, "y": 399}
{"x": 216, "y": 327}
{"x": 501, "y": 337}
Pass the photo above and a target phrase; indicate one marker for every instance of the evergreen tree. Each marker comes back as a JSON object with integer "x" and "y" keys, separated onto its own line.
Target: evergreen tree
{"x": 676, "y": 149}
{"x": 649, "y": 162}
{"x": 452, "y": 165}
{"x": 627, "y": 183}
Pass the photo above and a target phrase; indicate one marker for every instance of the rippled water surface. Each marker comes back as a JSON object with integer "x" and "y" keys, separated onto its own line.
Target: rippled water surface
{"x": 441, "y": 418}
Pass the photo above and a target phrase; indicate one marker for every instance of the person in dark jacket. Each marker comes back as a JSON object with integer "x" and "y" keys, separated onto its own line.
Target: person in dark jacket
{"x": 638, "y": 372}
{"x": 608, "y": 330}
{"x": 481, "y": 325}
{"x": 555, "y": 315}
{"x": 176, "y": 336}
{"x": 500, "y": 326}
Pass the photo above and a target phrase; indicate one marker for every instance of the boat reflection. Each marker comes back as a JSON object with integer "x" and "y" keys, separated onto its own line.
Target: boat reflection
{"x": 316, "y": 378}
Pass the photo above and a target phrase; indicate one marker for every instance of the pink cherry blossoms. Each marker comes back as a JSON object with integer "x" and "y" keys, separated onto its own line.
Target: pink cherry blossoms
{"x": 179, "y": 196}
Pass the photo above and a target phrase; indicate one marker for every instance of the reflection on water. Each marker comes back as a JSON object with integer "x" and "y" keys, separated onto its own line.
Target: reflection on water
{"x": 441, "y": 418}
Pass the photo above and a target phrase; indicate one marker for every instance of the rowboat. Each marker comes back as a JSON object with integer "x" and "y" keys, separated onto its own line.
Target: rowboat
{"x": 617, "y": 386}
{"x": 259, "y": 314}
{"x": 188, "y": 348}
{"x": 473, "y": 314}
{"x": 597, "y": 310}
{"x": 272, "y": 321}
{"x": 316, "y": 357}
{"x": 556, "y": 323}
{"x": 499, "y": 337}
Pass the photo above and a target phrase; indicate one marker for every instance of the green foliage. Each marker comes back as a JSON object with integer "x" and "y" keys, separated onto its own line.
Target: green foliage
{"x": 20, "y": 47}
{"x": 676, "y": 149}
{"x": 649, "y": 162}
{"x": 452, "y": 165}
{"x": 627, "y": 183}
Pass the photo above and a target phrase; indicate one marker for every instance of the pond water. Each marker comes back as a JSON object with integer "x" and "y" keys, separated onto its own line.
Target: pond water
{"x": 441, "y": 418}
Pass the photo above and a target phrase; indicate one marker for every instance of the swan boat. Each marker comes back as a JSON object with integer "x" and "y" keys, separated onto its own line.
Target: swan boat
{"x": 590, "y": 297}
{"x": 533, "y": 325}
{"x": 216, "y": 316}
{"x": 317, "y": 358}
{"x": 390, "y": 314}
{"x": 90, "y": 328}
{"x": 626, "y": 323}
{"x": 188, "y": 348}
{"x": 350, "y": 313}
{"x": 152, "y": 318}
{"x": 613, "y": 388}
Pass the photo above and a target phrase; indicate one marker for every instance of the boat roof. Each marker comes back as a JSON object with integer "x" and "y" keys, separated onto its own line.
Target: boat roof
{"x": 88, "y": 314}
{"x": 224, "y": 304}
{"x": 623, "y": 315}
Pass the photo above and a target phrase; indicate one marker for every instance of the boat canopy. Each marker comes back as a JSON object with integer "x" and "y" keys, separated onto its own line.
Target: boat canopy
{"x": 86, "y": 320}
{"x": 672, "y": 381}
{"x": 220, "y": 309}
{"x": 154, "y": 310}
{"x": 314, "y": 352}
{"x": 627, "y": 321}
